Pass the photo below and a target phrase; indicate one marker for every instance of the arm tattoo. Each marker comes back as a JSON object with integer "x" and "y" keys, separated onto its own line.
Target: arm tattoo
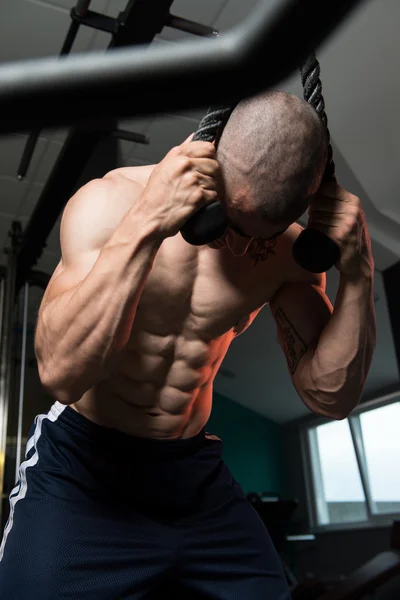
{"x": 295, "y": 347}
{"x": 260, "y": 249}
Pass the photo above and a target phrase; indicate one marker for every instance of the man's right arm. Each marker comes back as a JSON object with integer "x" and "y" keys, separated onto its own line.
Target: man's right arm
{"x": 89, "y": 306}
{"x": 87, "y": 313}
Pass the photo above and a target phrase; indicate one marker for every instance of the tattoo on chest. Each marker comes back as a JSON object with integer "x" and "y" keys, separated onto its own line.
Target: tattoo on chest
{"x": 260, "y": 249}
{"x": 294, "y": 346}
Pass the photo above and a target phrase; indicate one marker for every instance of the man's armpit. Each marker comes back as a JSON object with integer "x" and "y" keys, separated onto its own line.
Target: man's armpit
{"x": 294, "y": 346}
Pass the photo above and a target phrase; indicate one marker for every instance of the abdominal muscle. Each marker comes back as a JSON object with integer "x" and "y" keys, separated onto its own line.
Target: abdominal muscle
{"x": 194, "y": 303}
{"x": 162, "y": 387}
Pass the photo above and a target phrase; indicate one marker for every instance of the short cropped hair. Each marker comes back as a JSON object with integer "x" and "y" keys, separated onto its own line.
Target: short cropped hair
{"x": 273, "y": 154}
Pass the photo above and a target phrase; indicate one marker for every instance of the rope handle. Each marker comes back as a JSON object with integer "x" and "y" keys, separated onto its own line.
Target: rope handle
{"x": 210, "y": 222}
{"x": 313, "y": 250}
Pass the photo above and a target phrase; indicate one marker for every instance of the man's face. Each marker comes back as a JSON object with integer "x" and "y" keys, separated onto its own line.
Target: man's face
{"x": 238, "y": 241}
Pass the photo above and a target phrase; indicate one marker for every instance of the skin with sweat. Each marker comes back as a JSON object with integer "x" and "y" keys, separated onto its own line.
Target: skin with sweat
{"x": 157, "y": 370}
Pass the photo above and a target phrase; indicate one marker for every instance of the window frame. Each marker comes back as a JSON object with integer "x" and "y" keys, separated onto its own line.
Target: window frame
{"x": 313, "y": 476}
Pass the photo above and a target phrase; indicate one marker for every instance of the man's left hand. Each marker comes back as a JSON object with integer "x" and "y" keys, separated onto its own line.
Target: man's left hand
{"x": 339, "y": 214}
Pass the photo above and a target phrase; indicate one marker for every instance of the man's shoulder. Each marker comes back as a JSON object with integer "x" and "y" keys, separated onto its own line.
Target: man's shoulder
{"x": 98, "y": 207}
{"x": 139, "y": 174}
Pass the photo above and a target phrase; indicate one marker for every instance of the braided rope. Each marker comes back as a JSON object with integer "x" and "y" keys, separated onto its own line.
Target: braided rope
{"x": 212, "y": 124}
{"x": 312, "y": 93}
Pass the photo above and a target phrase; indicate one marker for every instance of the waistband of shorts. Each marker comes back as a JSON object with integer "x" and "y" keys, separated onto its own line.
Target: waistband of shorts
{"x": 77, "y": 423}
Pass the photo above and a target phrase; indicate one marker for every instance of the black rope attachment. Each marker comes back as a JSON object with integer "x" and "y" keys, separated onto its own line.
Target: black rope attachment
{"x": 212, "y": 124}
{"x": 313, "y": 250}
{"x": 209, "y": 223}
{"x": 312, "y": 93}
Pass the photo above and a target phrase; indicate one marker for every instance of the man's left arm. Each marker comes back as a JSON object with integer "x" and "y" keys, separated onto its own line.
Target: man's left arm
{"x": 329, "y": 349}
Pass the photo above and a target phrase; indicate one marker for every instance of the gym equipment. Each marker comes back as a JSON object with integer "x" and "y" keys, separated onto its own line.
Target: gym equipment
{"x": 374, "y": 573}
{"x": 208, "y": 223}
{"x": 313, "y": 250}
{"x": 193, "y": 74}
{"x": 9, "y": 387}
{"x": 68, "y": 88}
{"x": 360, "y": 583}
{"x": 131, "y": 82}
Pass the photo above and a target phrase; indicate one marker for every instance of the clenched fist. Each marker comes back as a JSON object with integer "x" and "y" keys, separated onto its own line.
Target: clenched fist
{"x": 339, "y": 215}
{"x": 182, "y": 183}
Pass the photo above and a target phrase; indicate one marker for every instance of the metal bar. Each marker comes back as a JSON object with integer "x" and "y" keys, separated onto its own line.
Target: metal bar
{"x": 130, "y": 136}
{"x": 307, "y": 445}
{"x": 22, "y": 381}
{"x": 391, "y": 283}
{"x": 6, "y": 346}
{"x": 77, "y": 150}
{"x": 96, "y": 21}
{"x": 81, "y": 7}
{"x": 140, "y": 22}
{"x": 34, "y": 135}
{"x": 70, "y": 38}
{"x": 190, "y": 26}
{"x": 27, "y": 154}
{"x": 59, "y": 187}
{"x": 3, "y": 412}
{"x": 319, "y": 503}
{"x": 358, "y": 443}
{"x": 267, "y": 47}
{"x": 305, "y": 537}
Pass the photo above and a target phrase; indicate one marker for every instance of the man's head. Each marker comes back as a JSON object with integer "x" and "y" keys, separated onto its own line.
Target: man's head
{"x": 272, "y": 153}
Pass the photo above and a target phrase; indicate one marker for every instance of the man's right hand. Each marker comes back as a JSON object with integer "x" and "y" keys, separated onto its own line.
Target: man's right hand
{"x": 185, "y": 180}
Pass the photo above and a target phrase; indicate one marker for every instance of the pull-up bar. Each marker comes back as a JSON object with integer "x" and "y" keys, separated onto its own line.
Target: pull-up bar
{"x": 86, "y": 88}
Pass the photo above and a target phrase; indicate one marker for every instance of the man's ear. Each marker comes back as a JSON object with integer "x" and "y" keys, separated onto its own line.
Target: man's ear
{"x": 311, "y": 200}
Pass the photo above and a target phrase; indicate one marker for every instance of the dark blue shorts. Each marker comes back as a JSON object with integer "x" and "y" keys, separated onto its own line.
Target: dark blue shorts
{"x": 100, "y": 515}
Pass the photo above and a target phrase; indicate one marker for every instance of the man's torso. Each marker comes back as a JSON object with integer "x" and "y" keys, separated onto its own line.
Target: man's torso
{"x": 195, "y": 302}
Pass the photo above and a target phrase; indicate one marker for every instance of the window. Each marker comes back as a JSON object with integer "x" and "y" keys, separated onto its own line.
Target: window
{"x": 353, "y": 466}
{"x": 341, "y": 496}
{"x": 381, "y": 436}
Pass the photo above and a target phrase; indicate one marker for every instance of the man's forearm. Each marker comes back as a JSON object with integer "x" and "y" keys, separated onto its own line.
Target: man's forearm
{"x": 342, "y": 357}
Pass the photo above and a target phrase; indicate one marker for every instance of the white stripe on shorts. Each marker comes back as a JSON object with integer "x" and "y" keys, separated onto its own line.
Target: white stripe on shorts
{"x": 22, "y": 485}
